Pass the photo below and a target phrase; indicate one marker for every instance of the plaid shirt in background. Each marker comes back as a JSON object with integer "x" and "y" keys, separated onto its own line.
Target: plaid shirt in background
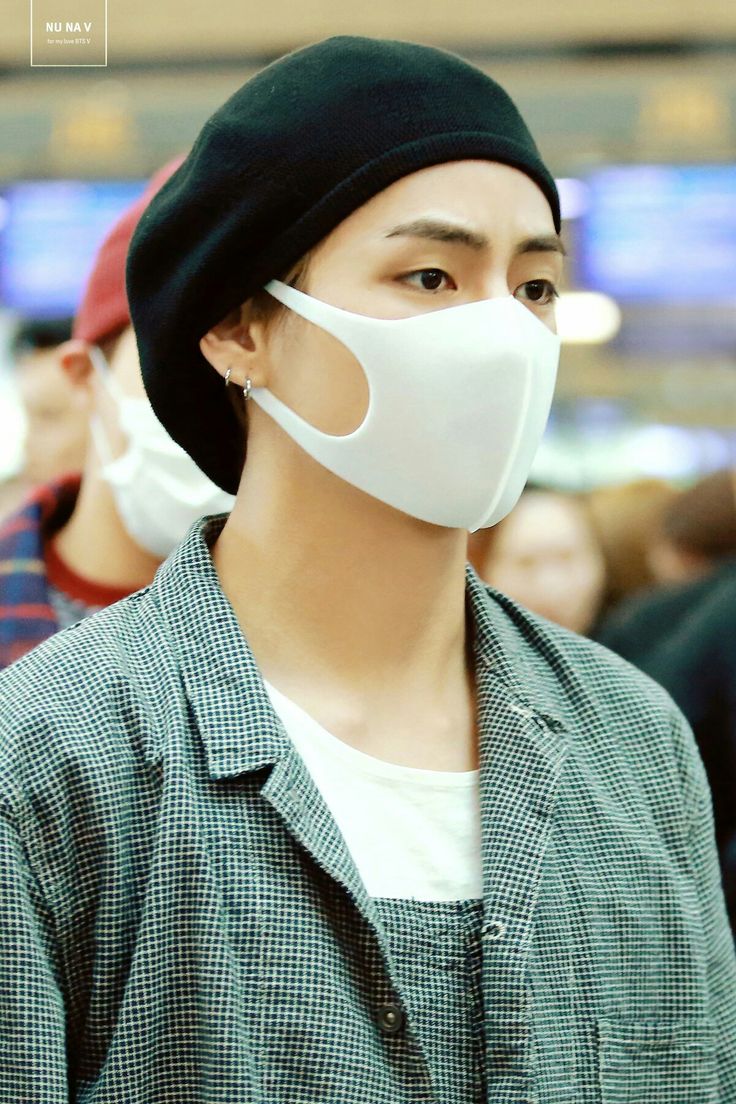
{"x": 181, "y": 921}
{"x": 26, "y": 614}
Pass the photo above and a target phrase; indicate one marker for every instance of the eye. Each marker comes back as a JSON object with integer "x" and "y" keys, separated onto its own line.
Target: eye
{"x": 540, "y": 292}
{"x": 430, "y": 279}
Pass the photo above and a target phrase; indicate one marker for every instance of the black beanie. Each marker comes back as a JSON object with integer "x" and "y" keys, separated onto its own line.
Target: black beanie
{"x": 300, "y": 146}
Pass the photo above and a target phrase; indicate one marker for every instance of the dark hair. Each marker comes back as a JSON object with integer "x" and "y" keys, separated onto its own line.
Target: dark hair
{"x": 40, "y": 333}
{"x": 262, "y": 307}
{"x": 702, "y": 519}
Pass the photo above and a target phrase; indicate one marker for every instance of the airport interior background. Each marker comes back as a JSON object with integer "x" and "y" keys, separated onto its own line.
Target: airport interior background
{"x": 634, "y": 108}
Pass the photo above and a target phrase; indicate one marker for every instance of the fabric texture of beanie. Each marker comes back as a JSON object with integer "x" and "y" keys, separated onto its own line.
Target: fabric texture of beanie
{"x": 280, "y": 164}
{"x": 103, "y": 310}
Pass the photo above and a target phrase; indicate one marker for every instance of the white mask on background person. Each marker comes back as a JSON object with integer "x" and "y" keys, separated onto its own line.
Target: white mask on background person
{"x": 458, "y": 402}
{"x": 159, "y": 491}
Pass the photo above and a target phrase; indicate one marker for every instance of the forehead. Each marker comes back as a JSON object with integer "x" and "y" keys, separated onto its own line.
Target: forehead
{"x": 485, "y": 194}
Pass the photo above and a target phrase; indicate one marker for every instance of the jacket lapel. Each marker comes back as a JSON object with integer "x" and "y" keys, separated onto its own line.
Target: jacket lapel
{"x": 522, "y": 753}
{"x": 292, "y": 793}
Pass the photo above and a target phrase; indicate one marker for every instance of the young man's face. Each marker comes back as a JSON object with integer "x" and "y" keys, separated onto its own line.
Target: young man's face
{"x": 449, "y": 234}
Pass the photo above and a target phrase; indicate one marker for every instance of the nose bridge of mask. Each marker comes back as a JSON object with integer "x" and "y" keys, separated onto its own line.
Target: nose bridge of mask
{"x": 528, "y": 399}
{"x": 535, "y": 400}
{"x": 351, "y": 328}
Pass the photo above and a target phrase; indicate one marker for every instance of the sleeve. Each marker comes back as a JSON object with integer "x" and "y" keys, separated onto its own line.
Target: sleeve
{"x": 719, "y": 939}
{"x": 33, "y": 1065}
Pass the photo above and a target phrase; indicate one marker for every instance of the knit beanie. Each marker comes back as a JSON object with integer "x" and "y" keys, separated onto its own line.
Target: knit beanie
{"x": 299, "y": 147}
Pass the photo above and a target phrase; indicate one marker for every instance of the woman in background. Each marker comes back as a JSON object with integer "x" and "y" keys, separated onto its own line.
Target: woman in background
{"x": 546, "y": 556}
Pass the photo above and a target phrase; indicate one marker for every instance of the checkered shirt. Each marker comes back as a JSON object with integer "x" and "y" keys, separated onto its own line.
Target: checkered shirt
{"x": 181, "y": 921}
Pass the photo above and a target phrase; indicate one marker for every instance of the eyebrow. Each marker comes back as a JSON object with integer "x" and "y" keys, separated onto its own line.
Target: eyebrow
{"x": 438, "y": 230}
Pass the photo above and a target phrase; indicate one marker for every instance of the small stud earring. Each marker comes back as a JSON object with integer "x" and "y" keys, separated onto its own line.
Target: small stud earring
{"x": 247, "y": 389}
{"x": 227, "y": 377}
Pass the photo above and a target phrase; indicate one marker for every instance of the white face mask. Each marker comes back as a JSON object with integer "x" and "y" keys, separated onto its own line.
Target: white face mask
{"x": 459, "y": 399}
{"x": 159, "y": 490}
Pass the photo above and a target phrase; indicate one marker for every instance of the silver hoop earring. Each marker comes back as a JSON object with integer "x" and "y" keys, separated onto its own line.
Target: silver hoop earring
{"x": 227, "y": 377}
{"x": 247, "y": 389}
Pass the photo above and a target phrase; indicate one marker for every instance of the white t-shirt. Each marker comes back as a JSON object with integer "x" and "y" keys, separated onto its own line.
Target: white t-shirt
{"x": 412, "y": 833}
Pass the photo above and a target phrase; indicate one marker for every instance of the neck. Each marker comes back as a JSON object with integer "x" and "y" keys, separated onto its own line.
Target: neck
{"x": 94, "y": 542}
{"x": 334, "y": 589}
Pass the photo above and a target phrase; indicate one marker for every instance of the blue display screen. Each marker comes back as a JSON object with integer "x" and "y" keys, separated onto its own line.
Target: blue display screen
{"x": 50, "y": 231}
{"x": 660, "y": 233}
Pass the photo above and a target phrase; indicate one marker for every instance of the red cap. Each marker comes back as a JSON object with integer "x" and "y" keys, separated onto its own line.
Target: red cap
{"x": 103, "y": 310}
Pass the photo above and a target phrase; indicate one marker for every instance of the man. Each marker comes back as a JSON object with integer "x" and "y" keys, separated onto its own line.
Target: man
{"x": 80, "y": 543}
{"x": 318, "y": 817}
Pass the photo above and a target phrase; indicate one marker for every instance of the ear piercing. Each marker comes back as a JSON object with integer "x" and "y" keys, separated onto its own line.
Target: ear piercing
{"x": 248, "y": 384}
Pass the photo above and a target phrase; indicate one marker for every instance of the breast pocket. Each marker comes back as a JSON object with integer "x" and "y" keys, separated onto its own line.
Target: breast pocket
{"x": 657, "y": 1061}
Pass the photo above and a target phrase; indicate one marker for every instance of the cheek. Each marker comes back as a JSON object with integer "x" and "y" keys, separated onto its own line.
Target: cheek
{"x": 318, "y": 378}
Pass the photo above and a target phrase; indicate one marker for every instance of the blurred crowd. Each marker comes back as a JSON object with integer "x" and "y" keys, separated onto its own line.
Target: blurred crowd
{"x": 645, "y": 568}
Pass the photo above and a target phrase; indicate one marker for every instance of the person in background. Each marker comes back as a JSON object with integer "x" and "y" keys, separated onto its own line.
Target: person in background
{"x": 86, "y": 540}
{"x": 545, "y": 555}
{"x": 627, "y": 521}
{"x": 697, "y": 530}
{"x": 57, "y": 426}
{"x": 690, "y": 554}
{"x": 683, "y": 634}
{"x": 55, "y": 431}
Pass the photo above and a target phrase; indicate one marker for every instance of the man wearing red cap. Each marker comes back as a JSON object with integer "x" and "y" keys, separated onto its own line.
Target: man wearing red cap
{"x": 83, "y": 542}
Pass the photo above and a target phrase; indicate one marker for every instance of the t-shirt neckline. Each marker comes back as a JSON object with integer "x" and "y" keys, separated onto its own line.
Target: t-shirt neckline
{"x": 400, "y": 772}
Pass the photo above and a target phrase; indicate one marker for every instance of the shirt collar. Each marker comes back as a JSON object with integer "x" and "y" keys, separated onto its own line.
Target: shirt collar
{"x": 222, "y": 681}
{"x": 505, "y": 638}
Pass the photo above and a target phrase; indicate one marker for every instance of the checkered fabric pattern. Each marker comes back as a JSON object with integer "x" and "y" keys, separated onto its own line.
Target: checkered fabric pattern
{"x": 27, "y": 612}
{"x": 436, "y": 948}
{"x": 182, "y": 923}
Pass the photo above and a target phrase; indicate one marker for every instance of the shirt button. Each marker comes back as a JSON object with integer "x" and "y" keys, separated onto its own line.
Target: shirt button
{"x": 390, "y": 1018}
{"x": 494, "y": 930}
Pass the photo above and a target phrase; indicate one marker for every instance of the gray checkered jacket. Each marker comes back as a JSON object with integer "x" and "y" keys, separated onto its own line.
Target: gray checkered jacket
{"x": 181, "y": 921}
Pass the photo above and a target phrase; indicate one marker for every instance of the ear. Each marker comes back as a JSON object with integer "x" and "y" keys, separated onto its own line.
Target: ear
{"x": 238, "y": 342}
{"x": 74, "y": 361}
